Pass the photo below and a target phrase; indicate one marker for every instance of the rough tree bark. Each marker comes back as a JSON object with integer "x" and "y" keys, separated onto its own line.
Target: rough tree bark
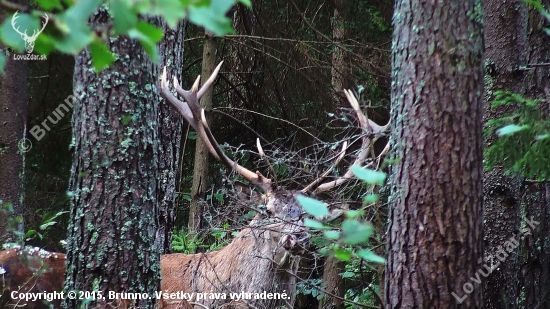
{"x": 14, "y": 96}
{"x": 514, "y": 41}
{"x": 535, "y": 202}
{"x": 118, "y": 181}
{"x": 435, "y": 236}
{"x": 200, "y": 168}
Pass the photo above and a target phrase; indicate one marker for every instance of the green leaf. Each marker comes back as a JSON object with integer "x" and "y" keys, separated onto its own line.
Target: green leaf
{"x": 356, "y": 232}
{"x": 58, "y": 214}
{"x": 331, "y": 234}
{"x": 315, "y": 224}
{"x": 371, "y": 256}
{"x": 154, "y": 33}
{"x": 347, "y": 274}
{"x": 101, "y": 55}
{"x": 48, "y": 5}
{"x": 213, "y": 17}
{"x": 342, "y": 254}
{"x": 367, "y": 175}
{"x": 246, "y": 2}
{"x": 172, "y": 11}
{"x": 511, "y": 129}
{"x": 319, "y": 241}
{"x": 312, "y": 206}
{"x": 218, "y": 197}
{"x": 48, "y": 224}
{"x": 124, "y": 17}
{"x": 82, "y": 10}
{"x": 352, "y": 214}
{"x": 76, "y": 34}
{"x": 371, "y": 199}
{"x": 148, "y": 35}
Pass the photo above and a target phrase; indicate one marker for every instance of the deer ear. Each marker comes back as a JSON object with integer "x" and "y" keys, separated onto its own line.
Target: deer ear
{"x": 247, "y": 195}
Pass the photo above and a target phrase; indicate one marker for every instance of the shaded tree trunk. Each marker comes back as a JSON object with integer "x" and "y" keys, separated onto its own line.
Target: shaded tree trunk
{"x": 339, "y": 76}
{"x": 435, "y": 232}
{"x": 515, "y": 41}
{"x": 200, "y": 168}
{"x": 120, "y": 172}
{"x": 14, "y": 96}
{"x": 340, "y": 72}
{"x": 535, "y": 202}
{"x": 170, "y": 133}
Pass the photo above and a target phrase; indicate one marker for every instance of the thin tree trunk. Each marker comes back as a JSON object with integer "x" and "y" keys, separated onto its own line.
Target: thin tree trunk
{"x": 14, "y": 96}
{"x": 339, "y": 72}
{"x": 435, "y": 237}
{"x": 200, "y": 169}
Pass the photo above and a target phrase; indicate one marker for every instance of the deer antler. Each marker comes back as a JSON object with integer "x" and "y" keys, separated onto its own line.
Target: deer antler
{"x": 34, "y": 33}
{"x": 366, "y": 126}
{"x": 16, "y": 28}
{"x": 24, "y": 34}
{"x": 194, "y": 114}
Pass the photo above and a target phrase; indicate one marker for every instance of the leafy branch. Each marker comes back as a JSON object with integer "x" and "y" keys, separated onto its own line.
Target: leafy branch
{"x": 67, "y": 30}
{"x": 524, "y": 137}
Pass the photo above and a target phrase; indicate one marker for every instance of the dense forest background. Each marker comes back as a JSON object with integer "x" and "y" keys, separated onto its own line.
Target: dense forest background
{"x": 284, "y": 72}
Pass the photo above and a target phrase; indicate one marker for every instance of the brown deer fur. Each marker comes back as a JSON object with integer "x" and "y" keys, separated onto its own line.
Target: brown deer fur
{"x": 30, "y": 270}
{"x": 260, "y": 258}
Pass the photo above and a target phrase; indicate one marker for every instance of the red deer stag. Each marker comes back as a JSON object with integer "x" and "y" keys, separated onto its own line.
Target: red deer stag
{"x": 257, "y": 269}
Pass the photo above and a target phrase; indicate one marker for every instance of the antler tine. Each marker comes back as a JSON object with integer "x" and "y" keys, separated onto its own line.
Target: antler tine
{"x": 365, "y": 124}
{"x": 210, "y": 80}
{"x": 184, "y": 110}
{"x": 16, "y": 28}
{"x": 182, "y": 107}
{"x": 256, "y": 178}
{"x": 190, "y": 96}
{"x": 325, "y": 174}
{"x": 259, "y": 146}
{"x": 35, "y": 33}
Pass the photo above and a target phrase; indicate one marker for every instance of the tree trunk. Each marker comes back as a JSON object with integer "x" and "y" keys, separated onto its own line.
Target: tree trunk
{"x": 515, "y": 40}
{"x": 435, "y": 237}
{"x": 535, "y": 201}
{"x": 339, "y": 73}
{"x": 339, "y": 70}
{"x": 200, "y": 169}
{"x": 14, "y": 96}
{"x": 170, "y": 132}
{"x": 114, "y": 240}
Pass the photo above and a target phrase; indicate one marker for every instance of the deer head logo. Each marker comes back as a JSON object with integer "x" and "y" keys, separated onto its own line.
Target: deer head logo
{"x": 29, "y": 40}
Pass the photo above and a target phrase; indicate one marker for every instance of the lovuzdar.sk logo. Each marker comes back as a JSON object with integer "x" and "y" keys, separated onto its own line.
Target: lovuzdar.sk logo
{"x": 29, "y": 39}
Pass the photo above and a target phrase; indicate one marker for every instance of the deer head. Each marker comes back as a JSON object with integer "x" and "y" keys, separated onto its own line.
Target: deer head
{"x": 29, "y": 40}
